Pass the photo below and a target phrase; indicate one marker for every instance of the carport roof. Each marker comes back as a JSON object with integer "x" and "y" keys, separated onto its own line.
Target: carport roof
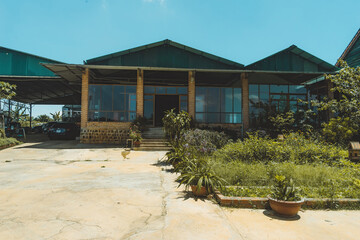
{"x": 44, "y": 90}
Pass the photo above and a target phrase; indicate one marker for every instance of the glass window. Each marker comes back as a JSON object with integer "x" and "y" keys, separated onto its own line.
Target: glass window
{"x": 130, "y": 89}
{"x": 297, "y": 89}
{"x": 226, "y": 100}
{"x": 171, "y": 90}
{"x": 182, "y": 90}
{"x": 94, "y": 97}
{"x": 149, "y": 89}
{"x": 106, "y": 97}
{"x": 160, "y": 90}
{"x": 279, "y": 88}
{"x": 213, "y": 103}
{"x": 112, "y": 103}
{"x": 218, "y": 105}
{"x": 119, "y": 98}
{"x": 254, "y": 88}
{"x": 237, "y": 100}
{"x": 264, "y": 88}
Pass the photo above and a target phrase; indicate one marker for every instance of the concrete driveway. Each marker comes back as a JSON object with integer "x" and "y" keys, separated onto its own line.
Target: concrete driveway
{"x": 67, "y": 190}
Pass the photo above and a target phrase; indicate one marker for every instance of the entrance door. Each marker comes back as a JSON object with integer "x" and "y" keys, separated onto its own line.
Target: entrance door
{"x": 164, "y": 103}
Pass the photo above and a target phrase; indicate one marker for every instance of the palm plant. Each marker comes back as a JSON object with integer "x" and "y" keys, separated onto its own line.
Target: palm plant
{"x": 199, "y": 173}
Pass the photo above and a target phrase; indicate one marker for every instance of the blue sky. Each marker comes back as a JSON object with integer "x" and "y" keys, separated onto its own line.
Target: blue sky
{"x": 244, "y": 31}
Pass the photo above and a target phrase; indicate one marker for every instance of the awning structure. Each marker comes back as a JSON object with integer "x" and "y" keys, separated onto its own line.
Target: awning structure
{"x": 44, "y": 90}
{"x": 174, "y": 76}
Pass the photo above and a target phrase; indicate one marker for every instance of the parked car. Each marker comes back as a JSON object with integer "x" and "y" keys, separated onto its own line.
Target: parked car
{"x": 13, "y": 129}
{"x": 37, "y": 129}
{"x": 63, "y": 130}
{"x": 46, "y": 126}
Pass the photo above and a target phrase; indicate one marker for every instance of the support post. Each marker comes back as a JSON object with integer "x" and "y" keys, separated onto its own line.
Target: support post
{"x": 84, "y": 98}
{"x": 245, "y": 101}
{"x": 140, "y": 93}
{"x": 330, "y": 94}
{"x": 191, "y": 94}
{"x": 30, "y": 116}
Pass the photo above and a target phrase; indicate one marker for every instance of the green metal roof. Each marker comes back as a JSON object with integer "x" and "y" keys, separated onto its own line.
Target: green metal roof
{"x": 165, "y": 54}
{"x": 352, "y": 52}
{"x": 292, "y": 59}
{"x": 16, "y": 63}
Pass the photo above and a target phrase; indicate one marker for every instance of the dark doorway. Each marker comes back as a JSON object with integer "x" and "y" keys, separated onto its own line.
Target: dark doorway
{"x": 164, "y": 103}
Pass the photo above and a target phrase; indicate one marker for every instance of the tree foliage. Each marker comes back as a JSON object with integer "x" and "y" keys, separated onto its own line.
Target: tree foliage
{"x": 42, "y": 118}
{"x": 7, "y": 90}
{"x": 56, "y": 116}
{"x": 345, "y": 108}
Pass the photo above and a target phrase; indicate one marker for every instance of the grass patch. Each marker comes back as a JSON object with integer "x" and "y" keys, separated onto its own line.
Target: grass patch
{"x": 319, "y": 169}
{"x": 8, "y": 141}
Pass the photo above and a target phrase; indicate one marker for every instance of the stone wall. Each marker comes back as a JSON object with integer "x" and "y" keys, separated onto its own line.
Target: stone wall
{"x": 105, "y": 132}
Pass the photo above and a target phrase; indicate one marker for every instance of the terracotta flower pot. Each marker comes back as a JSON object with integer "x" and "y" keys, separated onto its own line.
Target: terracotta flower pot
{"x": 136, "y": 143}
{"x": 200, "y": 193}
{"x": 285, "y": 208}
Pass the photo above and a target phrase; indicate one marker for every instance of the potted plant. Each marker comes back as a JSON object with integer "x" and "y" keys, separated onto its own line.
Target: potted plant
{"x": 135, "y": 136}
{"x": 199, "y": 175}
{"x": 285, "y": 198}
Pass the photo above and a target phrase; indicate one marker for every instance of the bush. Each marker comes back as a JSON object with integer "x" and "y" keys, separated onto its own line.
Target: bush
{"x": 204, "y": 141}
{"x": 339, "y": 130}
{"x": 8, "y": 141}
{"x": 295, "y": 148}
{"x": 175, "y": 124}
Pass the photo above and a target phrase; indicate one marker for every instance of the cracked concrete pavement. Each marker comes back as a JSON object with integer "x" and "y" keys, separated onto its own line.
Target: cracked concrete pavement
{"x": 67, "y": 190}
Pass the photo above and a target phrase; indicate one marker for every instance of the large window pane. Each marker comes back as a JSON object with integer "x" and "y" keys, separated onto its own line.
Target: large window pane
{"x": 237, "y": 100}
{"x": 279, "y": 88}
{"x": 226, "y": 99}
{"x": 182, "y": 90}
{"x": 130, "y": 89}
{"x": 132, "y": 98}
{"x": 213, "y": 117}
{"x": 171, "y": 90}
{"x": 297, "y": 89}
{"x": 106, "y": 98}
{"x": 149, "y": 89}
{"x": 94, "y": 97}
{"x": 119, "y": 98}
{"x": 213, "y": 101}
{"x": 160, "y": 90}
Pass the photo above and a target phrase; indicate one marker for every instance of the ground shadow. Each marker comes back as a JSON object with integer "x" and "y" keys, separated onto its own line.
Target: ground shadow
{"x": 66, "y": 144}
{"x": 273, "y": 215}
{"x": 188, "y": 194}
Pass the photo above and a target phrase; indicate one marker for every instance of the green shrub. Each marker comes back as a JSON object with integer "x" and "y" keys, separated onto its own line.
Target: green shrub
{"x": 294, "y": 148}
{"x": 204, "y": 141}
{"x": 8, "y": 141}
{"x": 175, "y": 124}
{"x": 284, "y": 189}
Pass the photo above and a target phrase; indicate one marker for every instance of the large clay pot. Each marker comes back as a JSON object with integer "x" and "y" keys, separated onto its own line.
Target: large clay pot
{"x": 136, "y": 143}
{"x": 285, "y": 208}
{"x": 200, "y": 193}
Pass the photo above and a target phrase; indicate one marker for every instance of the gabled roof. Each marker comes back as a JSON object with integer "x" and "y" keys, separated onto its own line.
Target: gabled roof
{"x": 352, "y": 52}
{"x": 292, "y": 59}
{"x": 133, "y": 53}
{"x": 17, "y": 63}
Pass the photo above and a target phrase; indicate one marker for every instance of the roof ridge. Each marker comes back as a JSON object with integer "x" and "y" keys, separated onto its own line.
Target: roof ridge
{"x": 347, "y": 49}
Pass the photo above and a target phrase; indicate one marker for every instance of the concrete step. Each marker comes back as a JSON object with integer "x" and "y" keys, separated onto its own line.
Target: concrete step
{"x": 153, "y": 140}
{"x": 141, "y": 148}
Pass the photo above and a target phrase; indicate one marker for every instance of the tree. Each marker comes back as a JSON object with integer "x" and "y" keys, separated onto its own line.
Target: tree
{"x": 42, "y": 118}
{"x": 7, "y": 90}
{"x": 56, "y": 116}
{"x": 346, "y": 107}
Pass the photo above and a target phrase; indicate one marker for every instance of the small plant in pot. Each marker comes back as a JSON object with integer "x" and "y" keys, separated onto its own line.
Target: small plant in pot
{"x": 135, "y": 135}
{"x": 198, "y": 175}
{"x": 285, "y": 199}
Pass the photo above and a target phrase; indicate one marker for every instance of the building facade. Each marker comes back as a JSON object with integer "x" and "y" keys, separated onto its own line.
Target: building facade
{"x": 146, "y": 81}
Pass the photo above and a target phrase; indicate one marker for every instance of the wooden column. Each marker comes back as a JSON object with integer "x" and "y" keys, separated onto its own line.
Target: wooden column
{"x": 330, "y": 95}
{"x": 245, "y": 101}
{"x": 140, "y": 93}
{"x": 84, "y": 98}
{"x": 191, "y": 94}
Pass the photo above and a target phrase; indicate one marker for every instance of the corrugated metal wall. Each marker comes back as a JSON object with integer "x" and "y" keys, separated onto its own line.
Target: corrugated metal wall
{"x": 164, "y": 56}
{"x": 21, "y": 64}
{"x": 353, "y": 57}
